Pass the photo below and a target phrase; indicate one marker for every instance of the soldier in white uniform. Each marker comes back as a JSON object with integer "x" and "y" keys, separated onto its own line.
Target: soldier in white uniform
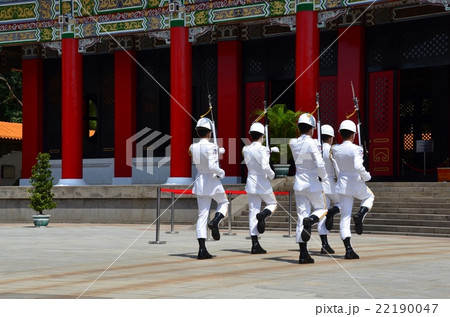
{"x": 351, "y": 184}
{"x": 307, "y": 186}
{"x": 258, "y": 185}
{"x": 329, "y": 189}
{"x": 207, "y": 185}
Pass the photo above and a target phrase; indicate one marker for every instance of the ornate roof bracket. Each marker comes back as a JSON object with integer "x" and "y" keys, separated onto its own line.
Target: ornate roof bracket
{"x": 445, "y": 3}
{"x": 30, "y": 51}
{"x": 124, "y": 43}
{"x": 327, "y": 16}
{"x": 352, "y": 17}
{"x": 227, "y": 32}
{"x": 196, "y": 32}
{"x": 56, "y": 46}
{"x": 289, "y": 21}
{"x": 161, "y": 35}
{"x": 84, "y": 44}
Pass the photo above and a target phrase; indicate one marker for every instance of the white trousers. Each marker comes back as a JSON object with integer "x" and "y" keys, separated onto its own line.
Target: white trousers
{"x": 305, "y": 200}
{"x": 366, "y": 196}
{"x": 254, "y": 206}
{"x": 332, "y": 200}
{"x": 204, "y": 204}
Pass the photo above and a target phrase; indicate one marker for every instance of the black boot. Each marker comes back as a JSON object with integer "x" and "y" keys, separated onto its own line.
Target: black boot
{"x": 214, "y": 225}
{"x": 359, "y": 218}
{"x": 256, "y": 247}
{"x": 203, "y": 254}
{"x": 349, "y": 253}
{"x": 261, "y": 217}
{"x": 330, "y": 214}
{"x": 304, "y": 258}
{"x": 326, "y": 249}
{"x": 307, "y": 225}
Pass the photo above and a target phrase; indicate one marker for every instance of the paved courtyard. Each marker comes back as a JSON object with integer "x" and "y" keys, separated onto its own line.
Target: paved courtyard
{"x": 116, "y": 261}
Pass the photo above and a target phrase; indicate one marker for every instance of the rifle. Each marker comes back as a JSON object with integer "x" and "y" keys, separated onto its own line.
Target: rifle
{"x": 221, "y": 149}
{"x": 319, "y": 132}
{"x": 266, "y": 129}
{"x": 358, "y": 126}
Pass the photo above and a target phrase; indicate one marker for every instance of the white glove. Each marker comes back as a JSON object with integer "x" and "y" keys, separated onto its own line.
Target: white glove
{"x": 275, "y": 149}
{"x": 221, "y": 150}
{"x": 221, "y": 174}
{"x": 367, "y": 177}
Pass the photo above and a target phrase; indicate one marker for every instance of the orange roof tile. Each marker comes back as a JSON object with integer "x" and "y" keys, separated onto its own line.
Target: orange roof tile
{"x": 10, "y": 131}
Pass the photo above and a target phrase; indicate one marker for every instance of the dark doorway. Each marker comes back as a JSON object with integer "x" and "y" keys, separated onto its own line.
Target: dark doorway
{"x": 424, "y": 116}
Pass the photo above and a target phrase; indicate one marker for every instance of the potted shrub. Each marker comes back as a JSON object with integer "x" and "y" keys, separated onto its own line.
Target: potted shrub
{"x": 41, "y": 191}
{"x": 282, "y": 127}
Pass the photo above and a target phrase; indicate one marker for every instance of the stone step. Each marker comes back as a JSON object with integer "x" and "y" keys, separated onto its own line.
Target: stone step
{"x": 392, "y": 204}
{"x": 405, "y": 222}
{"x": 400, "y": 208}
{"x": 409, "y": 229}
{"x": 391, "y": 208}
{"x": 387, "y": 215}
{"x": 376, "y": 212}
{"x": 421, "y": 219}
{"x": 369, "y": 221}
{"x": 366, "y": 231}
{"x": 411, "y": 211}
{"x": 368, "y": 228}
{"x": 412, "y": 205}
{"x": 393, "y": 186}
{"x": 443, "y": 198}
{"x": 439, "y": 235}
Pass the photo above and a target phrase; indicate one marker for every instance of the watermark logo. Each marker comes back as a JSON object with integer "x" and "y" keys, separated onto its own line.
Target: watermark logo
{"x": 147, "y": 142}
{"x": 153, "y": 150}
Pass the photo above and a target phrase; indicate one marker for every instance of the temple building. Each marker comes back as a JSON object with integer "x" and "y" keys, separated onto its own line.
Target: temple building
{"x": 112, "y": 89}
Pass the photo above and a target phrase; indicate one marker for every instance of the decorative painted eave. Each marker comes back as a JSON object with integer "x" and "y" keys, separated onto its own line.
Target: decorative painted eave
{"x": 34, "y": 21}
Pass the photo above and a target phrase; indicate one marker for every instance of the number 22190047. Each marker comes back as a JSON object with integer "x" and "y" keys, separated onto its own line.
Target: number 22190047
{"x": 406, "y": 308}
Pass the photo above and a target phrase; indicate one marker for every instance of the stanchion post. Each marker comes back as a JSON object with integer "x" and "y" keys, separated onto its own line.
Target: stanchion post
{"x": 424, "y": 163}
{"x": 158, "y": 220}
{"x": 289, "y": 235}
{"x": 229, "y": 233}
{"x": 403, "y": 168}
{"x": 172, "y": 214}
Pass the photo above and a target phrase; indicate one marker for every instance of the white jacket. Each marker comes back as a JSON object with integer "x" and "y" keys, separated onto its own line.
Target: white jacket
{"x": 352, "y": 173}
{"x": 308, "y": 162}
{"x": 205, "y": 156}
{"x": 257, "y": 158}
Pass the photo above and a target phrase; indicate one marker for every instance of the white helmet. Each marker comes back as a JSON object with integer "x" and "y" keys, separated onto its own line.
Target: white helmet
{"x": 308, "y": 119}
{"x": 204, "y": 123}
{"x": 348, "y": 125}
{"x": 327, "y": 130}
{"x": 257, "y": 127}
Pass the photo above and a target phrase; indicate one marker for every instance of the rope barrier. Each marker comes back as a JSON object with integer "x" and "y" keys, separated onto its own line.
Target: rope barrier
{"x": 174, "y": 191}
{"x": 433, "y": 169}
{"x": 232, "y": 192}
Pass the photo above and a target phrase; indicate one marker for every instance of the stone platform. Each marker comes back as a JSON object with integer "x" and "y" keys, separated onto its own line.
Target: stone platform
{"x": 116, "y": 261}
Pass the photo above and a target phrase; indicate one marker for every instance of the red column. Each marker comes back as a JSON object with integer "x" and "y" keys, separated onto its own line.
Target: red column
{"x": 307, "y": 51}
{"x": 32, "y": 99}
{"x": 350, "y": 68}
{"x": 124, "y": 112}
{"x": 229, "y": 104}
{"x": 72, "y": 113}
{"x": 180, "y": 104}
